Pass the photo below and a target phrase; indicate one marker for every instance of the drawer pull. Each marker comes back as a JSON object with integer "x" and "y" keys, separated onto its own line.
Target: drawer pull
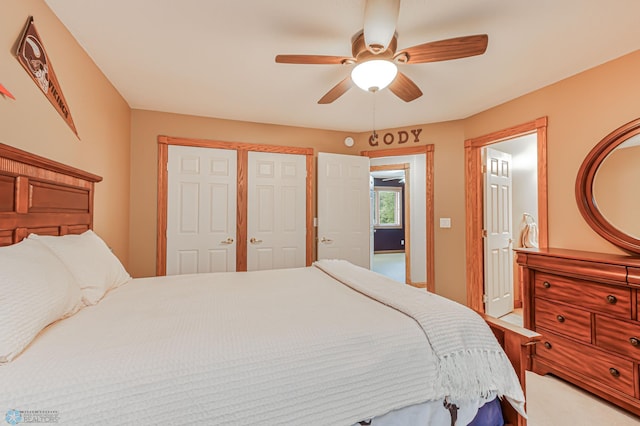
{"x": 611, "y": 299}
{"x": 546, "y": 284}
{"x": 634, "y": 341}
{"x": 547, "y": 345}
{"x": 560, "y": 318}
{"x": 614, "y": 372}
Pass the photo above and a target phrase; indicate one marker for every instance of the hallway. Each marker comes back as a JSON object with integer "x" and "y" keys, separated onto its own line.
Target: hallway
{"x": 390, "y": 264}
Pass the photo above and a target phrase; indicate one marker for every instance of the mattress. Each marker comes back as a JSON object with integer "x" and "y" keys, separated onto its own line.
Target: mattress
{"x": 293, "y": 346}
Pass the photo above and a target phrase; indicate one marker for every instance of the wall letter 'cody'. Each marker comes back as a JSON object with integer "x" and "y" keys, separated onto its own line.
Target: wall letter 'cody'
{"x": 390, "y": 138}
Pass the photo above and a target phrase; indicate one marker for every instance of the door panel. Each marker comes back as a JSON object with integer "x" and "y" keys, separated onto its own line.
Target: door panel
{"x": 187, "y": 261}
{"x": 499, "y": 233}
{"x": 201, "y": 210}
{"x": 276, "y": 203}
{"x": 220, "y": 194}
{"x": 344, "y": 208}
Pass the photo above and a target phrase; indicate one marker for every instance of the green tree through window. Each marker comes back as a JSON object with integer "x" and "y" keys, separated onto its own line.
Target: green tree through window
{"x": 388, "y": 207}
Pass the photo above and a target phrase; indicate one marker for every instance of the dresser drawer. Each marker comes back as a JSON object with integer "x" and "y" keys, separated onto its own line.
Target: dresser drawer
{"x": 608, "y": 369}
{"x": 563, "y": 319}
{"x": 595, "y": 297}
{"x": 618, "y": 336}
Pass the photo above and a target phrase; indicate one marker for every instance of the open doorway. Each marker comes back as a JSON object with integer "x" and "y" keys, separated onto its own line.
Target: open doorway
{"x": 390, "y": 221}
{"x": 475, "y": 203}
{"x": 510, "y": 219}
{"x": 422, "y": 245}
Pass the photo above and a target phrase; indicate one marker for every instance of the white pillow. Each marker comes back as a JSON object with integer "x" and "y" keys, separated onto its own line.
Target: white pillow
{"x": 36, "y": 289}
{"x": 91, "y": 262}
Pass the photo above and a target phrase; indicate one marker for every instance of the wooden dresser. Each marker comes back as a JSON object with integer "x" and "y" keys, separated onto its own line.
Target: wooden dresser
{"x": 586, "y": 306}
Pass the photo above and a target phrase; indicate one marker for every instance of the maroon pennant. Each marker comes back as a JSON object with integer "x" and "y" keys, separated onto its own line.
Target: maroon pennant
{"x": 33, "y": 57}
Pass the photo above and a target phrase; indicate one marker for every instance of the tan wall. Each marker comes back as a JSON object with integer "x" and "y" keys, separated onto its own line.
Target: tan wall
{"x": 581, "y": 110}
{"x": 101, "y": 116}
{"x": 148, "y": 125}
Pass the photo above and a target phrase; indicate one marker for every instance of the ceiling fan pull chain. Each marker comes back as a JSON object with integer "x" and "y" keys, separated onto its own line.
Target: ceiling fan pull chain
{"x": 374, "y": 135}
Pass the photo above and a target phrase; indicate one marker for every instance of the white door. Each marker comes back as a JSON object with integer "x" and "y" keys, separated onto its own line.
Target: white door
{"x": 498, "y": 257}
{"x": 201, "y": 210}
{"x": 344, "y": 208}
{"x": 276, "y": 204}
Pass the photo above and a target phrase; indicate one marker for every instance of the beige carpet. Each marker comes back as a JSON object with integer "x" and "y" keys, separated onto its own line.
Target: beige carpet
{"x": 554, "y": 402}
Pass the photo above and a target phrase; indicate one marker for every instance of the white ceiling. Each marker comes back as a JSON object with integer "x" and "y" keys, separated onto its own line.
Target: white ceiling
{"x": 215, "y": 58}
{"x": 388, "y": 174}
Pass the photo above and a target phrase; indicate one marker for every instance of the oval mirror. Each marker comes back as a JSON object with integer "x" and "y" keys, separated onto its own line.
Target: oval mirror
{"x": 605, "y": 187}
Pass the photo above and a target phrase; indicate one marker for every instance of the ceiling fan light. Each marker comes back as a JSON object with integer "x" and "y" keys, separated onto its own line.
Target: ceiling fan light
{"x": 374, "y": 75}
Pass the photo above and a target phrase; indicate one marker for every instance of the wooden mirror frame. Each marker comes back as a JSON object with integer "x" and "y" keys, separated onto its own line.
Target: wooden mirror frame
{"x": 584, "y": 187}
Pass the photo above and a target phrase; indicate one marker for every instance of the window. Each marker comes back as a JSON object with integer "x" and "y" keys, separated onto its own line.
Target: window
{"x": 388, "y": 207}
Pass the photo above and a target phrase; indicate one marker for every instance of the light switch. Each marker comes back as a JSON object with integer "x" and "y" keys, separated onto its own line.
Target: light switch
{"x": 445, "y": 222}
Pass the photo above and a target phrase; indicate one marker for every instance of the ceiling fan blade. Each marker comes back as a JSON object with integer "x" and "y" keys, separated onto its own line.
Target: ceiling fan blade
{"x": 404, "y": 88}
{"x": 337, "y": 91}
{"x": 380, "y": 18}
{"x": 312, "y": 59}
{"x": 444, "y": 50}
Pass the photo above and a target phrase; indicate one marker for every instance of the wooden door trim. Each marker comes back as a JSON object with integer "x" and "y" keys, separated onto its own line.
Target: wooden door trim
{"x": 242, "y": 210}
{"x": 241, "y": 215}
{"x": 161, "y": 228}
{"x": 474, "y": 200}
{"x": 428, "y": 150}
{"x": 238, "y": 146}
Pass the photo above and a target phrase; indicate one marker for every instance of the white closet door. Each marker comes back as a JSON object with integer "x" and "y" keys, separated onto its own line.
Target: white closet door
{"x": 344, "y": 219}
{"x": 201, "y": 210}
{"x": 276, "y": 204}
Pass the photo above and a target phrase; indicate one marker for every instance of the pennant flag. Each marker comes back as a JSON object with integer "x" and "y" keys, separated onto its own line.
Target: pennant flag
{"x": 4, "y": 91}
{"x": 33, "y": 58}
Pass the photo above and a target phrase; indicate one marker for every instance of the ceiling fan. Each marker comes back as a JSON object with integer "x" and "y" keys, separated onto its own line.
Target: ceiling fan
{"x": 376, "y": 44}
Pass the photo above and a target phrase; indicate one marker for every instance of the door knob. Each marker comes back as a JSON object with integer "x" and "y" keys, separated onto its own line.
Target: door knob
{"x": 227, "y": 241}
{"x": 253, "y": 240}
{"x": 326, "y": 240}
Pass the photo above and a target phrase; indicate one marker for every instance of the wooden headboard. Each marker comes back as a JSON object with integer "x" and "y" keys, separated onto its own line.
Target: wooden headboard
{"x": 38, "y": 195}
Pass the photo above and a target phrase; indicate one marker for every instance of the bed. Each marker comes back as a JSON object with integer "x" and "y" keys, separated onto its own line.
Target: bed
{"x": 327, "y": 344}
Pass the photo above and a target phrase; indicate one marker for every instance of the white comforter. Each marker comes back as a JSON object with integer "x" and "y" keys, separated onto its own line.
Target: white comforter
{"x": 273, "y": 347}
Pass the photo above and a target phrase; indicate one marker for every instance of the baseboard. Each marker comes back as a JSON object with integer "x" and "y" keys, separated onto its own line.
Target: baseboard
{"x": 388, "y": 251}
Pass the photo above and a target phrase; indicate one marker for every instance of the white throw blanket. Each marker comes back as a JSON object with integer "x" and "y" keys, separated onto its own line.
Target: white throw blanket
{"x": 470, "y": 360}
